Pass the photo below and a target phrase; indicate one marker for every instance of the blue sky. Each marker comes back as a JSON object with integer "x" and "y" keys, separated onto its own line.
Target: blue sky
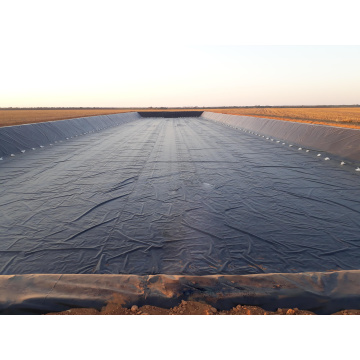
{"x": 76, "y": 53}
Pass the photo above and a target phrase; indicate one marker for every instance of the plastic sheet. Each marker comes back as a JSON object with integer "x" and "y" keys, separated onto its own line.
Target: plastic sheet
{"x": 181, "y": 208}
{"x": 15, "y": 139}
{"x": 322, "y": 293}
{"x": 180, "y": 196}
{"x": 341, "y": 142}
{"x": 170, "y": 114}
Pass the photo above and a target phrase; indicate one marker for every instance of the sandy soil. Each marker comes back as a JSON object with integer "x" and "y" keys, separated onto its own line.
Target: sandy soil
{"x": 188, "y": 308}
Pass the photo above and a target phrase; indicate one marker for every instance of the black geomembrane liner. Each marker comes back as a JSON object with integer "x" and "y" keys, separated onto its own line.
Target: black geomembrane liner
{"x": 189, "y": 196}
{"x": 176, "y": 196}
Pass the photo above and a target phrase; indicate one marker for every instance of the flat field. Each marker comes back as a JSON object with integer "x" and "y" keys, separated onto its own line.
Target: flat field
{"x": 18, "y": 117}
{"x": 337, "y": 116}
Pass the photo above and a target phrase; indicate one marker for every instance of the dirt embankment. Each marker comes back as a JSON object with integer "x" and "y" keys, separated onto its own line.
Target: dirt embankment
{"x": 189, "y": 308}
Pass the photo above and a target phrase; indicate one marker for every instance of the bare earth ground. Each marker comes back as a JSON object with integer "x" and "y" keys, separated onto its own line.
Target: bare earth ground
{"x": 189, "y": 308}
{"x": 341, "y": 116}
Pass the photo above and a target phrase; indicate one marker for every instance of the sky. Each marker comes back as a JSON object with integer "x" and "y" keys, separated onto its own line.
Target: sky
{"x": 160, "y": 54}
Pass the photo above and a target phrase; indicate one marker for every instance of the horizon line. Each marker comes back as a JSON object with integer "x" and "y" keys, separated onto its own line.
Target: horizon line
{"x": 173, "y": 107}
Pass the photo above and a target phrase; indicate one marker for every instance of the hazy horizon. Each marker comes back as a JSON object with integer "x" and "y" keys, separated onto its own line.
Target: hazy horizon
{"x": 160, "y": 54}
{"x": 187, "y": 76}
{"x": 179, "y": 107}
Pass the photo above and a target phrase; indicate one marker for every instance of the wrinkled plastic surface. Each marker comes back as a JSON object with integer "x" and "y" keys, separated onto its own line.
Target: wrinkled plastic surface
{"x": 14, "y": 139}
{"x": 341, "y": 142}
{"x": 182, "y": 196}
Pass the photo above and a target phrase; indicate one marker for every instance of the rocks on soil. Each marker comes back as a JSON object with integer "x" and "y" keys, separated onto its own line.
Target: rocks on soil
{"x": 190, "y": 308}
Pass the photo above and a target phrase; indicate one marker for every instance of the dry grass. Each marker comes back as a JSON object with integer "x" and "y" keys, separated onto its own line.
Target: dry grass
{"x": 344, "y": 117}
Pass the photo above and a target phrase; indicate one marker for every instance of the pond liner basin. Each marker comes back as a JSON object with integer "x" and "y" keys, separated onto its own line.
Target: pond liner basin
{"x": 158, "y": 209}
